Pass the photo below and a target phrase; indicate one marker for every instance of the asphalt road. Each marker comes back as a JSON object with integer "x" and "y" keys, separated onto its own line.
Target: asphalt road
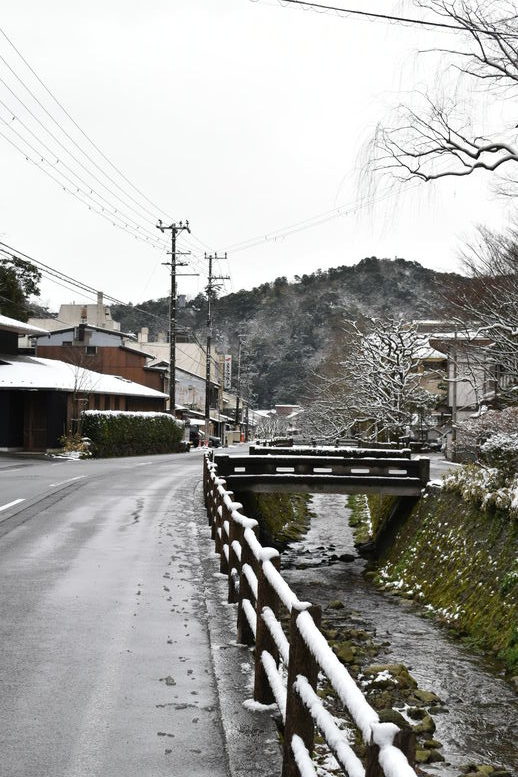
{"x": 105, "y": 665}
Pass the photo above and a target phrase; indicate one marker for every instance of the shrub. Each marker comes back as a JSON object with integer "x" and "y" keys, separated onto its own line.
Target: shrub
{"x": 123, "y": 433}
{"x": 501, "y": 451}
{"x": 475, "y": 431}
{"x": 75, "y": 444}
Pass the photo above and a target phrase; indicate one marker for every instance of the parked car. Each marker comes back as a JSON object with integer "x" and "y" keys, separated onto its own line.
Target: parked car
{"x": 214, "y": 442}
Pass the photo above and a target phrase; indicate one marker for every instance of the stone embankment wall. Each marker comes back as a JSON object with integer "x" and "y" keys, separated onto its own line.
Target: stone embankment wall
{"x": 459, "y": 561}
{"x": 282, "y": 518}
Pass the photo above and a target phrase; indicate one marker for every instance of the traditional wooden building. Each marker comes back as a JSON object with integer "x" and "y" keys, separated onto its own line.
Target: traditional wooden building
{"x": 40, "y": 399}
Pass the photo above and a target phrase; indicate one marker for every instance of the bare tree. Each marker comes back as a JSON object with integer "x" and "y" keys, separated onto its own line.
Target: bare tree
{"x": 377, "y": 388}
{"x": 272, "y": 426}
{"x": 437, "y": 138}
{"x": 487, "y": 308}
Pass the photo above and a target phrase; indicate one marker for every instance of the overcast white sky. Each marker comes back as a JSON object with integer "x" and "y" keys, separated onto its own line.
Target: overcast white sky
{"x": 244, "y": 117}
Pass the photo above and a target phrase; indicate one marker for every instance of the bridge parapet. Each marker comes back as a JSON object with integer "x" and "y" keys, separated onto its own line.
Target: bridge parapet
{"x": 330, "y": 450}
{"x": 255, "y": 583}
{"x": 324, "y": 474}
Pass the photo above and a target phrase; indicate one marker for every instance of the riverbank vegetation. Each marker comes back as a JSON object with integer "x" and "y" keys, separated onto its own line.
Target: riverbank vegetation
{"x": 282, "y": 518}
{"x": 474, "y": 544}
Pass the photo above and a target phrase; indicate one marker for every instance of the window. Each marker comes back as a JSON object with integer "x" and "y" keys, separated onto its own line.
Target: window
{"x": 91, "y": 349}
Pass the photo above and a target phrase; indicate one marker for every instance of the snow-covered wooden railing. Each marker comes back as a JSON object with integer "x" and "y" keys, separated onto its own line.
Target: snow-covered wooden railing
{"x": 256, "y": 585}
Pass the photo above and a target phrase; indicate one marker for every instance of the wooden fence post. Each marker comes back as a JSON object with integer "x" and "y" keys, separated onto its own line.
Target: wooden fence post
{"x": 213, "y": 519}
{"x": 217, "y": 532}
{"x": 372, "y": 765}
{"x": 266, "y": 597}
{"x": 236, "y": 534}
{"x": 404, "y": 740}
{"x": 226, "y": 515}
{"x": 298, "y": 717}
{"x": 245, "y": 634}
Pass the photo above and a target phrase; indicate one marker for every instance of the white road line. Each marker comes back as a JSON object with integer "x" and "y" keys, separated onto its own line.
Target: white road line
{"x": 62, "y": 483}
{"x": 11, "y": 504}
{"x": 143, "y": 464}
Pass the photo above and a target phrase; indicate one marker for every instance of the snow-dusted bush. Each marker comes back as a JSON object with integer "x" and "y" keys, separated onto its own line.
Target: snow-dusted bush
{"x": 487, "y": 487}
{"x": 501, "y": 451}
{"x": 123, "y": 433}
{"x": 472, "y": 433}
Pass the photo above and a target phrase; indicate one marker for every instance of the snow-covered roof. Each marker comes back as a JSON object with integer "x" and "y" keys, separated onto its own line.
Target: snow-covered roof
{"x": 427, "y": 352}
{"x": 13, "y": 325}
{"x": 115, "y": 332}
{"x": 33, "y": 372}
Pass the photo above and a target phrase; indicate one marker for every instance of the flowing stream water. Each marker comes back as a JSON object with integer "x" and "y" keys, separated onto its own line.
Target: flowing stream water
{"x": 482, "y": 723}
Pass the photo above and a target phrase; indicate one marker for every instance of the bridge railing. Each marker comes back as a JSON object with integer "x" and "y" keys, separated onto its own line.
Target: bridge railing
{"x": 255, "y": 583}
{"x": 330, "y": 450}
{"x": 323, "y": 465}
{"x": 276, "y": 442}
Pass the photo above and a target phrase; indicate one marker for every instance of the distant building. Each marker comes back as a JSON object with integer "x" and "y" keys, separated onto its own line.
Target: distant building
{"x": 103, "y": 350}
{"x": 97, "y": 314}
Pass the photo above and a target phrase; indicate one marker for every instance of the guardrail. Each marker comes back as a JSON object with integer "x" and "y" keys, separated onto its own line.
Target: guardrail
{"x": 328, "y": 450}
{"x": 257, "y": 586}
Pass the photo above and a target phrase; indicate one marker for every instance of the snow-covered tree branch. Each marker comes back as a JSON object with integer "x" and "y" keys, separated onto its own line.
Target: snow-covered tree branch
{"x": 434, "y": 138}
{"x": 377, "y": 386}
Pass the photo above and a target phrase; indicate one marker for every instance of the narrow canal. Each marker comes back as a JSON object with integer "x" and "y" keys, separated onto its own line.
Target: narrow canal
{"x": 481, "y": 725}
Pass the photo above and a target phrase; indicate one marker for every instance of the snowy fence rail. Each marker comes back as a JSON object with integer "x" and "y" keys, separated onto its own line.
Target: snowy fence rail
{"x": 256, "y": 585}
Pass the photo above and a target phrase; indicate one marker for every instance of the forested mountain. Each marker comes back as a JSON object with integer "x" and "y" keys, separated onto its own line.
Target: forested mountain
{"x": 291, "y": 327}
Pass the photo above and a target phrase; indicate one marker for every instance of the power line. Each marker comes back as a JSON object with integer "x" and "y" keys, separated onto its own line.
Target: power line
{"x": 340, "y": 211}
{"x": 67, "y": 134}
{"x": 392, "y": 18}
{"x": 116, "y": 209}
{"x": 87, "y": 137}
{"x": 136, "y": 223}
{"x": 88, "y": 192}
{"x": 114, "y": 219}
{"x": 62, "y": 279}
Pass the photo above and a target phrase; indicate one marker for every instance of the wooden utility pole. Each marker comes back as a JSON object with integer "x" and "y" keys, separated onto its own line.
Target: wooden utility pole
{"x": 211, "y": 290}
{"x": 175, "y": 229}
{"x": 238, "y": 384}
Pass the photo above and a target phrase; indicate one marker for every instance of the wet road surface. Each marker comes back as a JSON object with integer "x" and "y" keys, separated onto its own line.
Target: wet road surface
{"x": 105, "y": 662}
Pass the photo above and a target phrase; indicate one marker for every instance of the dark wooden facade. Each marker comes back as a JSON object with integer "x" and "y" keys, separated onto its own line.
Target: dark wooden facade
{"x": 108, "y": 359}
{"x": 35, "y": 420}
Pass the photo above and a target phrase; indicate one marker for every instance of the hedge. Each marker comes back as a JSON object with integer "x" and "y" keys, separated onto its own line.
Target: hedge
{"x": 123, "y": 433}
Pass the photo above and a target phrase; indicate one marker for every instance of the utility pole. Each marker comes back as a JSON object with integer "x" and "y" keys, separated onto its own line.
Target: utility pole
{"x": 247, "y": 395}
{"x": 175, "y": 229}
{"x": 238, "y": 386}
{"x": 211, "y": 290}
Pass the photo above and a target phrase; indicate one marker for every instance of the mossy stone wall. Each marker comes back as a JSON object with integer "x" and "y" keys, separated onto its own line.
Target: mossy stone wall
{"x": 282, "y": 518}
{"x": 461, "y": 563}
